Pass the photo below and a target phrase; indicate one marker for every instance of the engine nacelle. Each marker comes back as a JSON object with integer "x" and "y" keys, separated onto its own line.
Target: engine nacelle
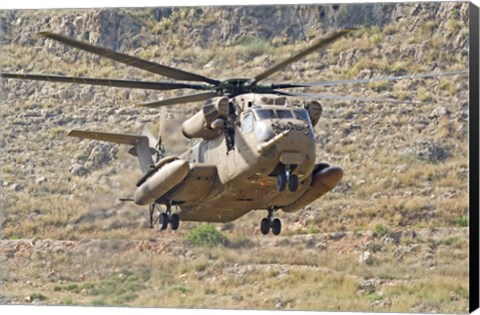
{"x": 314, "y": 110}
{"x": 322, "y": 182}
{"x": 206, "y": 123}
{"x": 161, "y": 182}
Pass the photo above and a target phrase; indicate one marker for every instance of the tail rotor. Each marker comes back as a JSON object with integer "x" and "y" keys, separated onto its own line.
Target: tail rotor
{"x": 161, "y": 131}
{"x": 155, "y": 143}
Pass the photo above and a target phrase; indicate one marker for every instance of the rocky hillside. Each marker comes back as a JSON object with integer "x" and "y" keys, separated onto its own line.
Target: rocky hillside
{"x": 406, "y": 166}
{"x": 126, "y": 29}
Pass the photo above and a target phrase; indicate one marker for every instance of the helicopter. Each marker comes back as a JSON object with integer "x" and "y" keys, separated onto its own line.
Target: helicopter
{"x": 256, "y": 148}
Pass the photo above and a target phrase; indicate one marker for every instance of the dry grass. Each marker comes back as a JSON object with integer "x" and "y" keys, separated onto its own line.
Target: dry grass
{"x": 202, "y": 277}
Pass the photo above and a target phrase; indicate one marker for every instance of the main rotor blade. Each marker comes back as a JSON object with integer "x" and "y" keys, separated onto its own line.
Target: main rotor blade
{"x": 147, "y": 85}
{"x": 182, "y": 99}
{"x": 322, "y": 43}
{"x": 131, "y": 61}
{"x": 348, "y": 98}
{"x": 342, "y": 82}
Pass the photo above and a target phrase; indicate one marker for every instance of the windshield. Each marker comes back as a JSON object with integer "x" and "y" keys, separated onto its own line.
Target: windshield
{"x": 262, "y": 114}
{"x": 302, "y": 114}
{"x": 265, "y": 130}
{"x": 247, "y": 124}
{"x": 283, "y": 113}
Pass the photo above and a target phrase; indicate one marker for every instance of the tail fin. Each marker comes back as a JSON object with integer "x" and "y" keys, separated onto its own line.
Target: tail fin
{"x": 140, "y": 144}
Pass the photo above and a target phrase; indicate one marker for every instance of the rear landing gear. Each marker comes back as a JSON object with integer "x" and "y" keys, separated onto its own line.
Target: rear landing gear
{"x": 174, "y": 221}
{"x": 267, "y": 223}
{"x": 164, "y": 218}
{"x": 163, "y": 221}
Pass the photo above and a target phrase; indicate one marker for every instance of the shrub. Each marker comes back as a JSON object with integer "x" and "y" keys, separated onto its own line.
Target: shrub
{"x": 125, "y": 297}
{"x": 118, "y": 288}
{"x": 381, "y": 229}
{"x": 374, "y": 297}
{"x": 312, "y": 230}
{"x": 453, "y": 241}
{"x": 87, "y": 285}
{"x": 178, "y": 288}
{"x": 99, "y": 302}
{"x": 206, "y": 235}
{"x": 72, "y": 287}
{"x": 462, "y": 221}
{"x": 38, "y": 296}
{"x": 67, "y": 301}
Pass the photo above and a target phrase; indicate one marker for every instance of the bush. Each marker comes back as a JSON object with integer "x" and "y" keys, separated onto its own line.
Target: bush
{"x": 206, "y": 235}
{"x": 72, "y": 287}
{"x": 178, "y": 288}
{"x": 99, "y": 302}
{"x": 380, "y": 229}
{"x": 125, "y": 297}
{"x": 67, "y": 301}
{"x": 312, "y": 230}
{"x": 38, "y": 296}
{"x": 462, "y": 221}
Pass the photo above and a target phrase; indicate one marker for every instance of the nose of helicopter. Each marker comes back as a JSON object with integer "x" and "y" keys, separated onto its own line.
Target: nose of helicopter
{"x": 289, "y": 140}
{"x": 294, "y": 147}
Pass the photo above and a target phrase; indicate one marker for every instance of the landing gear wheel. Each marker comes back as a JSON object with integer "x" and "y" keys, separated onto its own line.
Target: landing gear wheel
{"x": 163, "y": 221}
{"x": 293, "y": 183}
{"x": 174, "y": 221}
{"x": 276, "y": 226}
{"x": 281, "y": 181}
{"x": 265, "y": 226}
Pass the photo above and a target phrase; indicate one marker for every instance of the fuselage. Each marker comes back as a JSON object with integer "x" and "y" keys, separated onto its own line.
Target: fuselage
{"x": 268, "y": 140}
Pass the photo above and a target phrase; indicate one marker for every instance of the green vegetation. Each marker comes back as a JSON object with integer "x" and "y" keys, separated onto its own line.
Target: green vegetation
{"x": 381, "y": 229}
{"x": 99, "y": 302}
{"x": 453, "y": 241}
{"x": 251, "y": 47}
{"x": 117, "y": 289}
{"x": 206, "y": 235}
{"x": 373, "y": 297}
{"x": 312, "y": 230}
{"x": 73, "y": 287}
{"x": 462, "y": 221}
{"x": 67, "y": 301}
{"x": 178, "y": 288}
{"x": 38, "y": 296}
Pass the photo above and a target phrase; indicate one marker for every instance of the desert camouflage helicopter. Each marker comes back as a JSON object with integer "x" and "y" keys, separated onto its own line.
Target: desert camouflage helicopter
{"x": 257, "y": 149}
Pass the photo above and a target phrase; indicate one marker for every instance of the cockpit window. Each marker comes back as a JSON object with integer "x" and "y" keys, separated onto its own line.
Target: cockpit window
{"x": 303, "y": 115}
{"x": 247, "y": 124}
{"x": 264, "y": 114}
{"x": 283, "y": 113}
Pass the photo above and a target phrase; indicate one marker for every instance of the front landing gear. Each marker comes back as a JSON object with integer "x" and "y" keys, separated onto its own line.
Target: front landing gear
{"x": 164, "y": 218}
{"x": 267, "y": 223}
{"x": 285, "y": 178}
